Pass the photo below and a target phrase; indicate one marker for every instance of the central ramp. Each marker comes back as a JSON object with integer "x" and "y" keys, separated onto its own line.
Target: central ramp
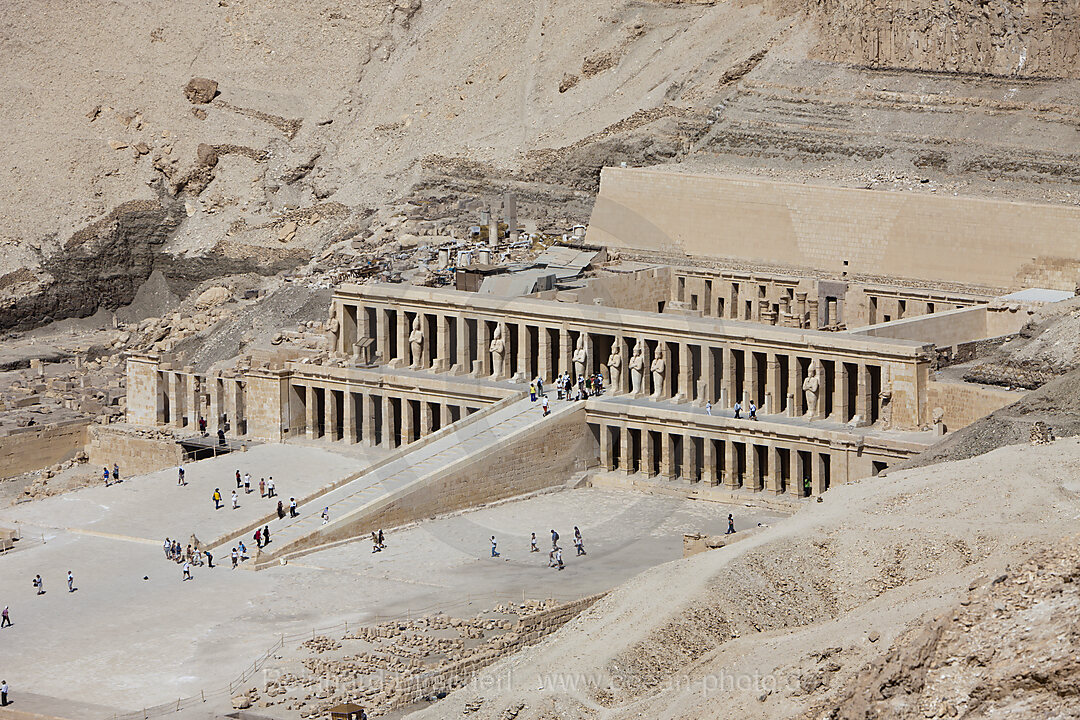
{"x": 502, "y": 451}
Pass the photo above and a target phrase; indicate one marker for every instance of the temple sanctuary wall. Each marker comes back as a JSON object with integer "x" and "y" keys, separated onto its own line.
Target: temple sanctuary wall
{"x": 31, "y": 448}
{"x": 963, "y": 404}
{"x": 647, "y": 290}
{"x": 135, "y": 454}
{"x": 954, "y": 327}
{"x": 874, "y": 233}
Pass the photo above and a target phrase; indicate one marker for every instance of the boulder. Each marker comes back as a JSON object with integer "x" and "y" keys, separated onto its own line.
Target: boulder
{"x": 207, "y": 155}
{"x": 200, "y": 91}
{"x": 213, "y": 297}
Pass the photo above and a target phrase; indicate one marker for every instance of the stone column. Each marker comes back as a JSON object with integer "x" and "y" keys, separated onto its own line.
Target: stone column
{"x": 795, "y": 483}
{"x": 624, "y": 376}
{"x": 772, "y": 383}
{"x": 408, "y": 432}
{"x": 817, "y": 475}
{"x": 683, "y": 391}
{"x": 646, "y": 373}
{"x": 689, "y": 459}
{"x": 389, "y": 439}
{"x": 840, "y": 395}
{"x": 648, "y": 452}
{"x": 750, "y": 377}
{"x": 812, "y": 308}
{"x": 483, "y": 354}
{"x": 566, "y": 352}
{"x": 772, "y": 480}
{"x": 349, "y": 417}
{"x": 727, "y": 379}
{"x": 330, "y": 413}
{"x": 862, "y": 395}
{"x": 235, "y": 399}
{"x": 667, "y": 462}
{"x": 731, "y": 465}
{"x": 794, "y": 386}
{"x": 626, "y": 449}
{"x": 367, "y": 422}
{"x": 309, "y": 408}
{"x": 752, "y": 481}
{"x": 461, "y": 361}
{"x": 504, "y": 372}
{"x": 403, "y": 359}
{"x": 706, "y": 392}
{"x": 382, "y": 337}
{"x": 216, "y": 405}
{"x": 606, "y": 461}
{"x": 176, "y": 399}
{"x": 426, "y": 420}
{"x": 194, "y": 400}
{"x": 543, "y": 359}
{"x": 524, "y": 353}
{"x": 443, "y": 361}
{"x": 708, "y": 462}
{"x": 800, "y": 307}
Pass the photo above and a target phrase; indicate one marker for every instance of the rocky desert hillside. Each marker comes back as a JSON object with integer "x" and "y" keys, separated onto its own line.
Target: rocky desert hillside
{"x": 331, "y": 128}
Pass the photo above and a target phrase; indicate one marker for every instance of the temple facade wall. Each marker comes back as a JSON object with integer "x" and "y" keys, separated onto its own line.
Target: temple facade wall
{"x": 703, "y": 359}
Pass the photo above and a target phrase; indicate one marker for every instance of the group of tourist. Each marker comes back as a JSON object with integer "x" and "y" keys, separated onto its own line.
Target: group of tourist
{"x": 113, "y": 477}
{"x": 555, "y": 559}
{"x": 751, "y": 410}
{"x": 585, "y": 387}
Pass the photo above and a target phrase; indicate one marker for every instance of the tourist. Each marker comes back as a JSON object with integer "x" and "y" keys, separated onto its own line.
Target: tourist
{"x": 3, "y": 693}
{"x": 494, "y": 552}
{"x": 221, "y": 437}
{"x": 202, "y": 426}
{"x": 270, "y": 487}
{"x": 579, "y": 545}
{"x": 539, "y": 386}
{"x": 375, "y": 542}
{"x": 532, "y": 391}
{"x": 266, "y": 535}
{"x": 262, "y": 487}
{"x": 381, "y": 543}
{"x": 167, "y": 546}
{"x": 209, "y": 560}
{"x": 730, "y": 525}
{"x": 292, "y": 508}
{"x": 235, "y": 558}
{"x": 280, "y": 510}
{"x": 238, "y": 481}
{"x": 180, "y": 476}
{"x": 551, "y": 558}
{"x": 326, "y": 515}
{"x": 187, "y": 570}
{"x": 554, "y": 540}
{"x": 738, "y": 410}
{"x": 217, "y": 498}
{"x": 5, "y": 617}
{"x": 708, "y": 408}
{"x": 258, "y": 538}
{"x": 753, "y": 410}
{"x": 558, "y": 559}
{"x": 532, "y": 544}
{"x": 71, "y": 582}
{"x": 116, "y": 472}
{"x": 247, "y": 483}
{"x": 544, "y": 405}
{"x": 235, "y": 500}
{"x": 106, "y": 476}
{"x": 243, "y": 550}
{"x": 39, "y": 584}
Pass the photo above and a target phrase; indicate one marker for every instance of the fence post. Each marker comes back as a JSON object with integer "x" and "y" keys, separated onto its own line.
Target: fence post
{"x": 202, "y": 694}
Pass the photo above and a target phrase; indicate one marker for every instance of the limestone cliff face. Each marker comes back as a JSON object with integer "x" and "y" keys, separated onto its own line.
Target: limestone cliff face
{"x": 997, "y": 37}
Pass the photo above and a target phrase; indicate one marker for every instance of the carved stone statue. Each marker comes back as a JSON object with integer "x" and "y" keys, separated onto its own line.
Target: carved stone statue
{"x": 810, "y": 389}
{"x": 885, "y": 400}
{"x": 333, "y": 331}
{"x": 580, "y": 357}
{"x": 614, "y": 364}
{"x": 416, "y": 344}
{"x": 497, "y": 348}
{"x": 659, "y": 370}
{"x": 637, "y": 368}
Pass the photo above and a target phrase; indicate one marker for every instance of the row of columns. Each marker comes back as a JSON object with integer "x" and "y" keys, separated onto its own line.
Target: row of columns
{"x": 464, "y": 344}
{"x": 768, "y": 466}
{"x": 383, "y": 419}
{"x": 183, "y": 398}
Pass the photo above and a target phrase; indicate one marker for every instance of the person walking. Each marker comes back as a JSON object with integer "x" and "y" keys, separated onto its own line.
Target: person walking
{"x": 730, "y": 525}
{"x": 39, "y": 584}
{"x": 753, "y": 410}
{"x": 258, "y": 538}
{"x": 270, "y": 487}
{"x": 532, "y": 544}
{"x": 5, "y": 617}
{"x": 280, "y": 510}
{"x": 551, "y": 558}
{"x": 539, "y": 386}
{"x": 554, "y": 540}
{"x": 71, "y": 582}
{"x": 209, "y": 560}
{"x": 180, "y": 476}
{"x": 106, "y": 473}
{"x": 238, "y": 480}
{"x": 266, "y": 535}
{"x": 247, "y": 483}
{"x": 382, "y": 544}
{"x": 262, "y": 487}
{"x": 375, "y": 542}
{"x": 580, "y": 546}
{"x": 544, "y": 405}
{"x": 326, "y": 515}
{"x": 116, "y": 472}
{"x": 532, "y": 392}
{"x": 558, "y": 559}
{"x": 708, "y": 408}
{"x": 235, "y": 500}
{"x": 217, "y": 498}
{"x": 235, "y": 558}
{"x": 494, "y": 552}
{"x": 167, "y": 547}
{"x": 738, "y": 410}
{"x": 292, "y": 507}
{"x": 187, "y": 570}
{"x": 3, "y": 693}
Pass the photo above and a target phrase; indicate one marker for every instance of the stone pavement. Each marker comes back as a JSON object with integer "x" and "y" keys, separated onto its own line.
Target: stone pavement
{"x": 417, "y": 461}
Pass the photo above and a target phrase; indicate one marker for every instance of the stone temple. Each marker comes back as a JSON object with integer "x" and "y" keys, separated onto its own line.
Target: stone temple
{"x": 836, "y": 313}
